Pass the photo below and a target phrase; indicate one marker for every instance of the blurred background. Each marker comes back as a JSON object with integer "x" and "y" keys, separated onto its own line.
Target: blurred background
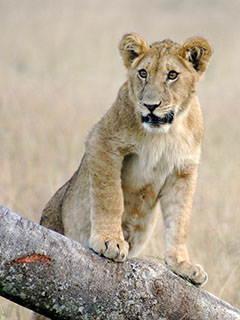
{"x": 60, "y": 70}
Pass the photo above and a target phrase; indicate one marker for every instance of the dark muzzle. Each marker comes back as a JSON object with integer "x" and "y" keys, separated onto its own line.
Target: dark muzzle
{"x": 152, "y": 119}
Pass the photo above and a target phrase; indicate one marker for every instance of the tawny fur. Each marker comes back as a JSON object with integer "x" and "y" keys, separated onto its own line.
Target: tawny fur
{"x": 131, "y": 168}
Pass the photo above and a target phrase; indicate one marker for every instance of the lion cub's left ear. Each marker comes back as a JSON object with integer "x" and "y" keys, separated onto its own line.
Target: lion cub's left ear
{"x": 198, "y": 52}
{"x": 131, "y": 47}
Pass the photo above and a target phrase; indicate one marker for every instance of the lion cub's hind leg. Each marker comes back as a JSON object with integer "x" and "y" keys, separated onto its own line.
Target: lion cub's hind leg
{"x": 51, "y": 216}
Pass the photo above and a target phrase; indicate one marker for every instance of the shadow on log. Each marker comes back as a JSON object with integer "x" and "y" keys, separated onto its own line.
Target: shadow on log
{"x": 59, "y": 278}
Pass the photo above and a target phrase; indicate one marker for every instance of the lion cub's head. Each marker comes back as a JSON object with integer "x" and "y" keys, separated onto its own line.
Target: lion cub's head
{"x": 162, "y": 77}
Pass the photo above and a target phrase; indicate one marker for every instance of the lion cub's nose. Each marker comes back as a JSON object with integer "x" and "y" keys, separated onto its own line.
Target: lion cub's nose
{"x": 152, "y": 107}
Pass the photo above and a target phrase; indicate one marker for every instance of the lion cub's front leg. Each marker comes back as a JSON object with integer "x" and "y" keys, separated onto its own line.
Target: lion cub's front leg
{"x": 176, "y": 202}
{"x": 106, "y": 203}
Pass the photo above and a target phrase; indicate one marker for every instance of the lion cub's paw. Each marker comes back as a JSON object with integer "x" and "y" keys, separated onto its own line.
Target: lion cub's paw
{"x": 196, "y": 275}
{"x": 115, "y": 249}
{"x": 192, "y": 273}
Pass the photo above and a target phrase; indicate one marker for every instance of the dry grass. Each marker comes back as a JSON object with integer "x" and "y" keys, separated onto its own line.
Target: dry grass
{"x": 60, "y": 71}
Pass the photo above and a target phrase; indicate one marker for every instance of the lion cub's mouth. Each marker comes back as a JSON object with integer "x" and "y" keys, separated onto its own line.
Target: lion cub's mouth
{"x": 154, "y": 120}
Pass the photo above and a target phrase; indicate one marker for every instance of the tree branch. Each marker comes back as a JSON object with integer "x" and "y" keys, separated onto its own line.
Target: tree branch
{"x": 59, "y": 278}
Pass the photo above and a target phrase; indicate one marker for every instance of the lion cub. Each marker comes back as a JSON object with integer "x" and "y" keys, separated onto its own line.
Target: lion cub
{"x": 142, "y": 155}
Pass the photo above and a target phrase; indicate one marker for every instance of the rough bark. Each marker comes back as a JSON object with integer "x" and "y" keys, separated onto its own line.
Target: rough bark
{"x": 57, "y": 277}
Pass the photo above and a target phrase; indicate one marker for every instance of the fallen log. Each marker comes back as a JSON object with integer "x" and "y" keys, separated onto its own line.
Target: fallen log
{"x": 61, "y": 279}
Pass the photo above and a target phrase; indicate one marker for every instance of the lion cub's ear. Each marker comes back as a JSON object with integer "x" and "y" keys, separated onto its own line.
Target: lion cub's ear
{"x": 197, "y": 51}
{"x": 132, "y": 46}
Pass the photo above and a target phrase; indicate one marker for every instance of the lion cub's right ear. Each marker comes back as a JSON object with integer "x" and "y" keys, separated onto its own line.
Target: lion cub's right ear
{"x": 131, "y": 47}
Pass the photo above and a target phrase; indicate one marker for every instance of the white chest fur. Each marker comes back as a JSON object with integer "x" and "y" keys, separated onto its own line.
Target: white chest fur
{"x": 157, "y": 156}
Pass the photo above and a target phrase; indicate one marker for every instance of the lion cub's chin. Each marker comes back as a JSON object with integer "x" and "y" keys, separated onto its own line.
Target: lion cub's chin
{"x": 164, "y": 128}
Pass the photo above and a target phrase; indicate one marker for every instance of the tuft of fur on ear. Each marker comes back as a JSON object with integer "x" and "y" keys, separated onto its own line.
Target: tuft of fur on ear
{"x": 132, "y": 46}
{"x": 198, "y": 52}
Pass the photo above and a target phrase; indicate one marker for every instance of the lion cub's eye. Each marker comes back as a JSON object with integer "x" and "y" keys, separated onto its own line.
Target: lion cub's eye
{"x": 172, "y": 75}
{"x": 142, "y": 73}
